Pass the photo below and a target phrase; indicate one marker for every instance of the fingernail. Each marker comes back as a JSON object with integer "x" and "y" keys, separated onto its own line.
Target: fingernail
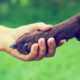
{"x": 14, "y": 45}
{"x": 25, "y": 46}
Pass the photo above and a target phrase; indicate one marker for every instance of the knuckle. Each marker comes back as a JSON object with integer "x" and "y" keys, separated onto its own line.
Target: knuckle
{"x": 50, "y": 25}
{"x": 50, "y": 55}
{"x": 40, "y": 23}
{"x": 23, "y": 59}
{"x": 41, "y": 55}
{"x": 39, "y": 58}
{"x": 34, "y": 54}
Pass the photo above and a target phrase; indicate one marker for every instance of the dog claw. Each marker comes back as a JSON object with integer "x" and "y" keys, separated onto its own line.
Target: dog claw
{"x": 25, "y": 46}
{"x": 14, "y": 45}
{"x": 25, "y": 49}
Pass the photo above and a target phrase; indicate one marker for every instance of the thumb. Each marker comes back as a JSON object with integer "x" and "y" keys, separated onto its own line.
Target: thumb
{"x": 44, "y": 27}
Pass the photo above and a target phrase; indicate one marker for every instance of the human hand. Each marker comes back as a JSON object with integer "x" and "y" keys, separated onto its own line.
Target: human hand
{"x": 38, "y": 50}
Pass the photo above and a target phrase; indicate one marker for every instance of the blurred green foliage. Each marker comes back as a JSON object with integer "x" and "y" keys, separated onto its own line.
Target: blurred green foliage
{"x": 65, "y": 65}
{"x": 14, "y": 13}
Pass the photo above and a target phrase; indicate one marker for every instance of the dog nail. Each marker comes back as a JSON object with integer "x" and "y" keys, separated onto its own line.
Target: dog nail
{"x": 14, "y": 45}
{"x": 25, "y": 46}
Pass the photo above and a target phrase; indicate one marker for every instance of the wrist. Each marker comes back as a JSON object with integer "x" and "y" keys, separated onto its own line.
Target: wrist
{"x": 4, "y": 33}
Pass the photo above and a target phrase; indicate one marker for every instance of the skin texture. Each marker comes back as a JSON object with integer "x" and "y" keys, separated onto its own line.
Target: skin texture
{"x": 38, "y": 50}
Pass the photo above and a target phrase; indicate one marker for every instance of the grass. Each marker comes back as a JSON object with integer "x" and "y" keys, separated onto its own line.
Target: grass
{"x": 64, "y": 65}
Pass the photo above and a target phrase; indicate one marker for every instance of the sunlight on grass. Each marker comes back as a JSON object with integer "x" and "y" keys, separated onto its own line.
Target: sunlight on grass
{"x": 64, "y": 66}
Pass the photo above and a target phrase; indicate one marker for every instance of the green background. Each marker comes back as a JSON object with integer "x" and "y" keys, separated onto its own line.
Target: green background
{"x": 65, "y": 65}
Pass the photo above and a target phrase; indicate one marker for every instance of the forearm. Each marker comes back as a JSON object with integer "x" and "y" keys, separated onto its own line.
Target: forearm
{"x": 8, "y": 36}
{"x": 4, "y": 29}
